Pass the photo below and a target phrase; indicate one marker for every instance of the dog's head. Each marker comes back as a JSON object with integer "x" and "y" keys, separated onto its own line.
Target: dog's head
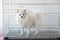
{"x": 22, "y": 13}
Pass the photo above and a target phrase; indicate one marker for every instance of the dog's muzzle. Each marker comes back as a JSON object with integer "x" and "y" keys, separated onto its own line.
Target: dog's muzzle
{"x": 21, "y": 16}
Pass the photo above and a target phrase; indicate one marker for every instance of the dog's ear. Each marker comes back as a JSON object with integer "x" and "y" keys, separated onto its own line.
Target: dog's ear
{"x": 18, "y": 10}
{"x": 24, "y": 10}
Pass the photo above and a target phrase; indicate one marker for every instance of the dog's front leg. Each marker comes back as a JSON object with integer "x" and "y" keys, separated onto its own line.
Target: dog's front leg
{"x": 28, "y": 30}
{"x": 21, "y": 29}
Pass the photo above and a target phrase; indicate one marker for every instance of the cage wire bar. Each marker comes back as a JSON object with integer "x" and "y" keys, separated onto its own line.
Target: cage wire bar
{"x": 51, "y": 13}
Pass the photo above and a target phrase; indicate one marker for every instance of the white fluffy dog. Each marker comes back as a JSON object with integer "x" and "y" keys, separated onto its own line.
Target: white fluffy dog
{"x": 29, "y": 20}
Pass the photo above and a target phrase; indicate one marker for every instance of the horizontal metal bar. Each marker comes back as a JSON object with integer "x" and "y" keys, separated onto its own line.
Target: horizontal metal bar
{"x": 40, "y": 13}
{"x": 43, "y": 25}
{"x": 37, "y": 12}
{"x": 19, "y": 8}
{"x": 33, "y": 4}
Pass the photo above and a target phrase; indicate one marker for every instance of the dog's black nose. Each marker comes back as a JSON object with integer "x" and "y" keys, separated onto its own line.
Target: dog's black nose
{"x": 21, "y": 16}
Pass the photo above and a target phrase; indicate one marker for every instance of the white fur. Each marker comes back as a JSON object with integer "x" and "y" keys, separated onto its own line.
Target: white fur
{"x": 30, "y": 20}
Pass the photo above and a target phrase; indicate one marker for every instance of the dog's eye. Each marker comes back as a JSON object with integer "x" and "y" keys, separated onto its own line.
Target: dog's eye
{"x": 23, "y": 14}
{"x": 19, "y": 14}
